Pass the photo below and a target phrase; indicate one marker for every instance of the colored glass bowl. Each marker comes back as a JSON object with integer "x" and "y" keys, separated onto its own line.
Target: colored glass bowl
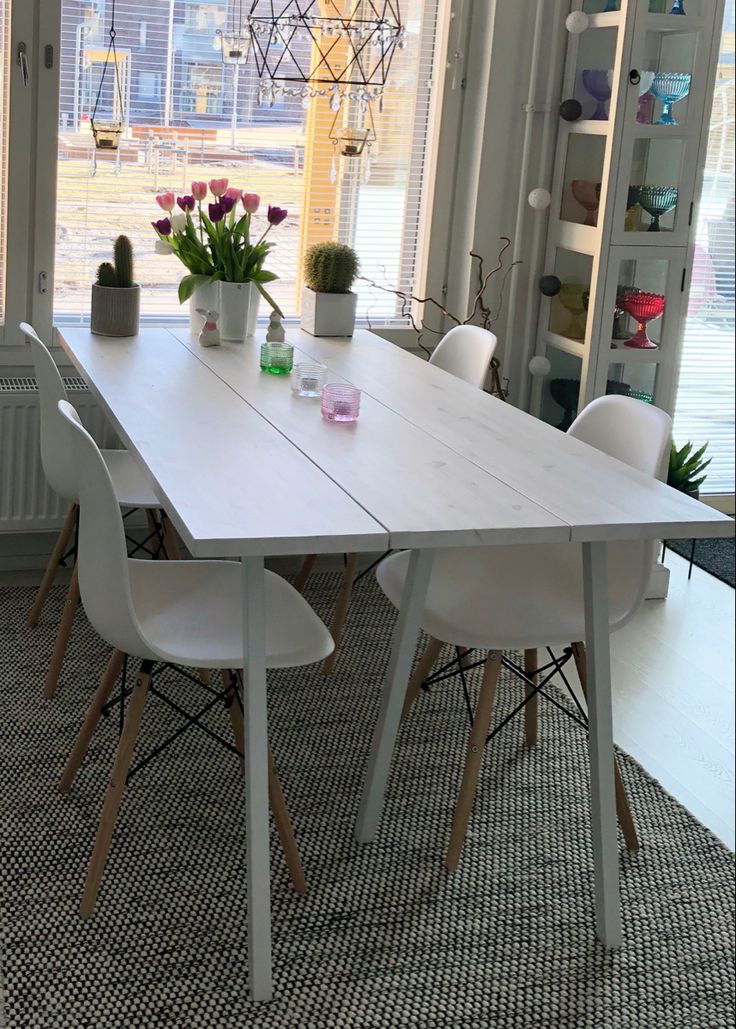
{"x": 644, "y": 307}
{"x": 597, "y": 82}
{"x": 588, "y": 195}
{"x": 657, "y": 201}
{"x": 669, "y": 87}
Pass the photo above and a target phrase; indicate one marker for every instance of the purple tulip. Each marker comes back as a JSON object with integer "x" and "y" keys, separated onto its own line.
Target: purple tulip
{"x": 276, "y": 215}
{"x": 217, "y": 212}
{"x": 227, "y": 203}
{"x": 162, "y": 226}
{"x": 186, "y": 202}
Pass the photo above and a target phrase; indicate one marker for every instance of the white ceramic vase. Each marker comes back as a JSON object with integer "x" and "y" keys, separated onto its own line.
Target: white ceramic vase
{"x": 208, "y": 298}
{"x": 238, "y": 310}
{"x": 328, "y": 314}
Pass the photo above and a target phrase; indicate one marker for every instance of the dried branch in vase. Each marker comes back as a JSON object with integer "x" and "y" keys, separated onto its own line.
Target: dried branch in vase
{"x": 482, "y": 309}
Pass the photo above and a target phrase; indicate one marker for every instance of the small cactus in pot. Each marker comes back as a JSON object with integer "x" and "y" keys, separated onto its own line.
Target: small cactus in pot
{"x": 115, "y": 296}
{"x": 328, "y": 303}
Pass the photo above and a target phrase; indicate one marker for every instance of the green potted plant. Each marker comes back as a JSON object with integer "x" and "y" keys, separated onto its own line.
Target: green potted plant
{"x": 328, "y": 303}
{"x": 686, "y": 469}
{"x": 116, "y": 298}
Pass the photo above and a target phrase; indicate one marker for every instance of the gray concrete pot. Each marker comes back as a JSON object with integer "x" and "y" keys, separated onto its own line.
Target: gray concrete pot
{"x": 115, "y": 311}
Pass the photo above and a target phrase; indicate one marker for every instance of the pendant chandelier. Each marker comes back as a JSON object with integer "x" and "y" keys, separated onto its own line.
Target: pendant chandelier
{"x": 234, "y": 42}
{"x": 107, "y": 131}
{"x": 342, "y": 49}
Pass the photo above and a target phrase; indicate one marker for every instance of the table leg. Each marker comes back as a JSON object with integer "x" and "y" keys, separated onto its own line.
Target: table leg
{"x": 394, "y": 692}
{"x": 256, "y": 779}
{"x": 600, "y": 743}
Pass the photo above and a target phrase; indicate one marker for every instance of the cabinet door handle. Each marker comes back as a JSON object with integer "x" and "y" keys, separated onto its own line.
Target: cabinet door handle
{"x": 634, "y": 77}
{"x": 22, "y": 61}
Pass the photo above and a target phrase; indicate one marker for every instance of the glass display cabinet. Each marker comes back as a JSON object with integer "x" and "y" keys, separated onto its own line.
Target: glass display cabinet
{"x": 636, "y": 98}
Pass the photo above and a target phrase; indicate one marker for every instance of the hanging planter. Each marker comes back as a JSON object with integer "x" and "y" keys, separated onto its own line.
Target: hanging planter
{"x": 108, "y": 130}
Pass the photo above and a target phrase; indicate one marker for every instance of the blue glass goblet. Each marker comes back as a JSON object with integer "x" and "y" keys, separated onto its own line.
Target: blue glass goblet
{"x": 656, "y": 201}
{"x": 678, "y": 7}
{"x": 669, "y": 87}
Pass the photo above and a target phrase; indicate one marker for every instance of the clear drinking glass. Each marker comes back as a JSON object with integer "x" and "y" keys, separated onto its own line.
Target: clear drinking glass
{"x": 308, "y": 379}
{"x": 277, "y": 358}
{"x": 340, "y": 403}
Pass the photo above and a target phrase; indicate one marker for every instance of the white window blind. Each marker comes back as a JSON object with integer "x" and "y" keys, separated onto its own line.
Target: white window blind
{"x": 190, "y": 117}
{"x": 4, "y": 110}
{"x": 704, "y": 410}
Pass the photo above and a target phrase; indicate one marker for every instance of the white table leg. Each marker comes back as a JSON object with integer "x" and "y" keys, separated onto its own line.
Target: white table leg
{"x": 256, "y": 780}
{"x": 392, "y": 700}
{"x": 600, "y": 743}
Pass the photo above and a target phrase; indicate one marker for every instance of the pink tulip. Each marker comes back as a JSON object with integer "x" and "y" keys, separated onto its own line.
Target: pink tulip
{"x": 233, "y": 193}
{"x": 166, "y": 201}
{"x": 218, "y": 186}
{"x": 199, "y": 190}
{"x": 251, "y": 202}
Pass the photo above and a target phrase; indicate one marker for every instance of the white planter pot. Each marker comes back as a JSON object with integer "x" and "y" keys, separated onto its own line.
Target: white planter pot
{"x": 328, "y": 314}
{"x": 238, "y": 310}
{"x": 208, "y": 298}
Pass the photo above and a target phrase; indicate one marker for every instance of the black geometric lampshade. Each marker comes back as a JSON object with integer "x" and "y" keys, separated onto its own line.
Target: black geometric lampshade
{"x": 348, "y": 50}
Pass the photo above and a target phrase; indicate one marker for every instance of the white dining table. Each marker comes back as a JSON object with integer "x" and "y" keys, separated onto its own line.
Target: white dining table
{"x": 245, "y": 469}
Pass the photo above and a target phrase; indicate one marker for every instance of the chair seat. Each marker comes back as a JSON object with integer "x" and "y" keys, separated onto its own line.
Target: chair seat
{"x": 513, "y": 597}
{"x": 191, "y": 613}
{"x": 131, "y": 485}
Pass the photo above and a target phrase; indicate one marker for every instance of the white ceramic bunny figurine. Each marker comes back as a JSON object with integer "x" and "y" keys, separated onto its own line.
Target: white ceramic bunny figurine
{"x": 276, "y": 332}
{"x": 209, "y": 336}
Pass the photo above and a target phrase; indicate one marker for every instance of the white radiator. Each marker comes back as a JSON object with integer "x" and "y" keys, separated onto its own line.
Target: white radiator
{"x": 27, "y": 504}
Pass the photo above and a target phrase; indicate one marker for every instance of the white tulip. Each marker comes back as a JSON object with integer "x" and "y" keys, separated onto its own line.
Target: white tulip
{"x": 178, "y": 222}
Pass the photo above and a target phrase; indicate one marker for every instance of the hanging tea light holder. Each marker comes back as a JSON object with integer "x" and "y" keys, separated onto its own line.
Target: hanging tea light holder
{"x": 234, "y": 42}
{"x": 107, "y": 132}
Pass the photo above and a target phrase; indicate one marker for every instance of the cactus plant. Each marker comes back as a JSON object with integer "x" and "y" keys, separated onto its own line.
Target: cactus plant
{"x": 106, "y": 275}
{"x": 124, "y": 262}
{"x": 686, "y": 469}
{"x": 330, "y": 268}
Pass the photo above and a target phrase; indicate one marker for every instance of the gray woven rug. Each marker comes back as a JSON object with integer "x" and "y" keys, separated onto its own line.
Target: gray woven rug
{"x": 386, "y": 937}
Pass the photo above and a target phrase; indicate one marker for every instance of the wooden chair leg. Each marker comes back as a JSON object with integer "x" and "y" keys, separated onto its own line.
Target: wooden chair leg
{"x": 94, "y": 712}
{"x": 341, "y": 612}
{"x": 171, "y": 541}
{"x": 423, "y": 669}
{"x": 474, "y": 757}
{"x": 115, "y": 790}
{"x": 62, "y": 636}
{"x": 304, "y": 572}
{"x": 531, "y": 710}
{"x": 276, "y": 798}
{"x": 62, "y": 542}
{"x": 625, "y": 817}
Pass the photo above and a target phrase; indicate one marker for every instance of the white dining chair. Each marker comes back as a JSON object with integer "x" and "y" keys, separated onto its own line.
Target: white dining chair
{"x": 164, "y": 614}
{"x": 522, "y": 598}
{"x": 130, "y": 484}
{"x": 465, "y": 352}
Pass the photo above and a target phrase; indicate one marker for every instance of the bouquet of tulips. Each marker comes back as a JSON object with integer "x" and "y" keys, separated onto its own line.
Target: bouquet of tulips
{"x": 215, "y": 246}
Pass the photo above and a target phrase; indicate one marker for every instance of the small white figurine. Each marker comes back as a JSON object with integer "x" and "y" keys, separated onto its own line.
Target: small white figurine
{"x": 276, "y": 332}
{"x": 209, "y": 336}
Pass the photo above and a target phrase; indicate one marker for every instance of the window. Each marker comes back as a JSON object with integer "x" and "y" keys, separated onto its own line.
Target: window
{"x": 205, "y": 120}
{"x": 705, "y": 400}
{"x": 4, "y": 109}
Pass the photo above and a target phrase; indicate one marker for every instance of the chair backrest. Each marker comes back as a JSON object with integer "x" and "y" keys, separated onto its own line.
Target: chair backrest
{"x": 56, "y": 456}
{"x": 637, "y": 434}
{"x": 466, "y": 351}
{"x": 102, "y": 557}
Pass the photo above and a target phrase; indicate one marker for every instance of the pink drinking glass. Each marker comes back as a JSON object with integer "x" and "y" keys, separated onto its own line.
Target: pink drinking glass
{"x": 340, "y": 402}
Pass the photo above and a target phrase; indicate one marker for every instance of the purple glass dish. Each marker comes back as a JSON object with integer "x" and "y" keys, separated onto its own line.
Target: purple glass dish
{"x": 597, "y": 83}
{"x": 340, "y": 402}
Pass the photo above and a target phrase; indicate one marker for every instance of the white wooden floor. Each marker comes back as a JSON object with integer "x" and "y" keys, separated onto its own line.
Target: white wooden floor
{"x": 673, "y": 682}
{"x": 673, "y": 694}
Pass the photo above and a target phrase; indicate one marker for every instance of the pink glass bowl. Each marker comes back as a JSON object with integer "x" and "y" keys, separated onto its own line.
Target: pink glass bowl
{"x": 340, "y": 403}
{"x": 645, "y": 307}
